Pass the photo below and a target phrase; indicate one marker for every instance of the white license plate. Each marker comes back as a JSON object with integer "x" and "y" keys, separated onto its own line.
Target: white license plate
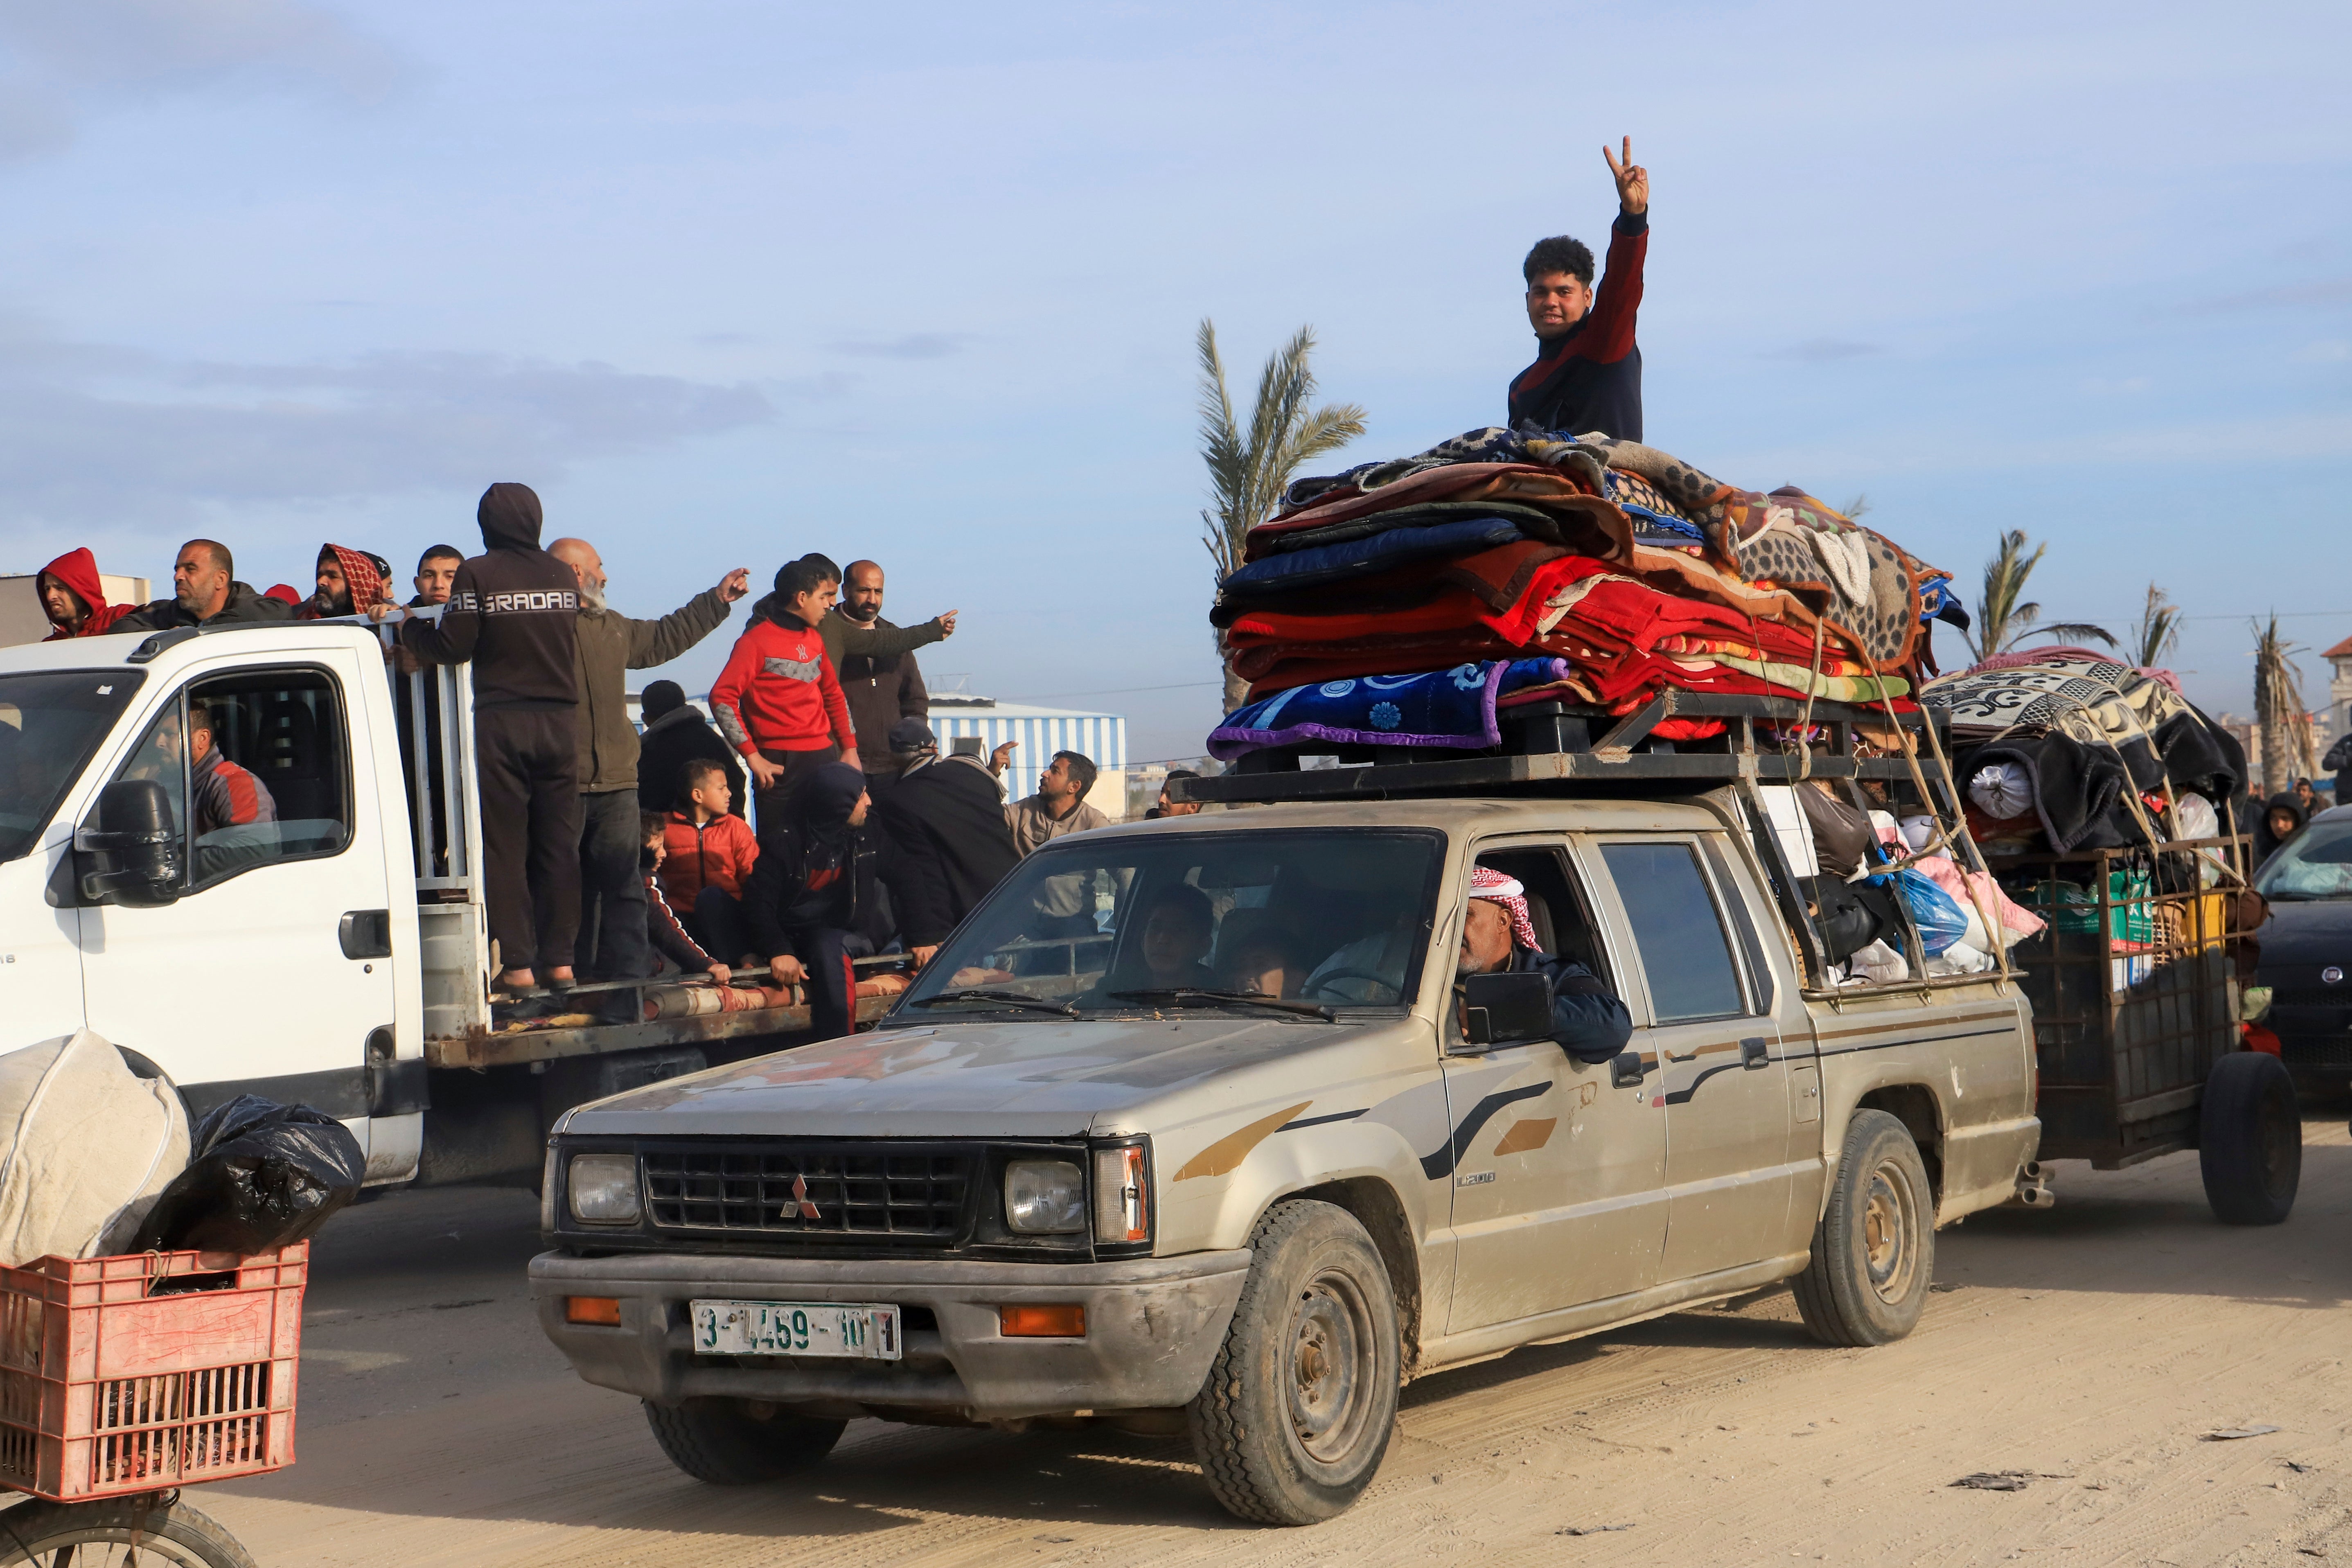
{"x": 796, "y": 1327}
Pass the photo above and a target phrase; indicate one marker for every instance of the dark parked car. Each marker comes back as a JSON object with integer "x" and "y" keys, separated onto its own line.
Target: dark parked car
{"x": 2307, "y": 949}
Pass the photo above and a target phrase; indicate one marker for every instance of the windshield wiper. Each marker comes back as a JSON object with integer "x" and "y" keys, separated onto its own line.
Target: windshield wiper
{"x": 1182, "y": 993}
{"x": 1007, "y": 998}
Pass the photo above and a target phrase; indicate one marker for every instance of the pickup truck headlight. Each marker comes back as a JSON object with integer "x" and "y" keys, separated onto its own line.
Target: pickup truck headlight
{"x": 1045, "y": 1197}
{"x": 603, "y": 1189}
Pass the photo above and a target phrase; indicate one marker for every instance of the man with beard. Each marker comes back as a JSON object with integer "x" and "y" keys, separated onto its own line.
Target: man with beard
{"x": 881, "y": 683}
{"x": 349, "y": 583}
{"x": 205, "y": 591}
{"x": 74, "y": 599}
{"x": 514, "y": 613}
{"x": 612, "y": 943}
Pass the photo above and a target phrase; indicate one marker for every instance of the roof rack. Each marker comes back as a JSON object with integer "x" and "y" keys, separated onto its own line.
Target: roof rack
{"x": 1554, "y": 748}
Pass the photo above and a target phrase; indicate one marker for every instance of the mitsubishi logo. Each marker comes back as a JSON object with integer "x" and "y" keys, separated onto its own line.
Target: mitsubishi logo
{"x": 806, "y": 1209}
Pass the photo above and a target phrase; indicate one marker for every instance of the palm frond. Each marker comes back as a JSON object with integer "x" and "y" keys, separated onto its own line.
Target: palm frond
{"x": 2157, "y": 631}
{"x": 2287, "y": 750}
{"x": 2075, "y": 632}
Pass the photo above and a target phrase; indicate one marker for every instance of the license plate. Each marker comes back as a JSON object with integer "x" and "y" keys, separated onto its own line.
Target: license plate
{"x": 796, "y": 1327}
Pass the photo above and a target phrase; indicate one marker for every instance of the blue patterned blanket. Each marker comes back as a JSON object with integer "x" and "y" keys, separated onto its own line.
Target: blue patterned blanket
{"x": 1454, "y": 707}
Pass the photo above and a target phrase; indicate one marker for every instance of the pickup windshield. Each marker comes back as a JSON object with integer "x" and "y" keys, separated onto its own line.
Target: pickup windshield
{"x": 49, "y": 725}
{"x": 1215, "y": 921}
{"x": 2316, "y": 864}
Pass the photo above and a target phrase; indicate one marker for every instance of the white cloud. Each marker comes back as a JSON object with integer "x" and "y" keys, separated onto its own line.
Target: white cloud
{"x": 139, "y": 46}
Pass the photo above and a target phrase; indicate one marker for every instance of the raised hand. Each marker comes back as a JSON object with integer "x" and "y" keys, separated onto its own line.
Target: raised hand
{"x": 735, "y": 585}
{"x": 1633, "y": 180}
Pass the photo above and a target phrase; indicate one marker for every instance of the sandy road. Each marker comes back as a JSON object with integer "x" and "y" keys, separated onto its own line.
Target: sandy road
{"x": 2091, "y": 1346}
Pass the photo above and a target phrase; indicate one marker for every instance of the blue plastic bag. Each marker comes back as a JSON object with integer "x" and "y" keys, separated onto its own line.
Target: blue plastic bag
{"x": 1939, "y": 918}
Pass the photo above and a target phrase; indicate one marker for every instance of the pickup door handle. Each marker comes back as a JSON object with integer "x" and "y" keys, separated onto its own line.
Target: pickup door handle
{"x": 1625, "y": 1070}
{"x": 365, "y": 933}
{"x": 1755, "y": 1053}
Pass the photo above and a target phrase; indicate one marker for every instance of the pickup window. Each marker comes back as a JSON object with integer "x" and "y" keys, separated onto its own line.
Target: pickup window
{"x": 280, "y": 789}
{"x": 1678, "y": 930}
{"x": 49, "y": 724}
{"x": 1125, "y": 924}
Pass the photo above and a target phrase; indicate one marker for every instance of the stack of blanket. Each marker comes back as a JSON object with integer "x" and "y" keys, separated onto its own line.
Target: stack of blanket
{"x": 1406, "y": 603}
{"x": 2068, "y": 748}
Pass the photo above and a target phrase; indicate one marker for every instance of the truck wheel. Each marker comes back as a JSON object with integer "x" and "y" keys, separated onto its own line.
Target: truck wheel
{"x": 1874, "y": 1249}
{"x": 1297, "y": 1411}
{"x": 154, "y": 1528}
{"x": 2250, "y": 1139}
{"x": 722, "y": 1442}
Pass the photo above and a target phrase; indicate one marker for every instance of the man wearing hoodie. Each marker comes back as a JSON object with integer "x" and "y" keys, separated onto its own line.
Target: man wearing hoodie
{"x": 811, "y": 901}
{"x": 205, "y": 592}
{"x": 606, "y": 646}
{"x": 949, "y": 841}
{"x": 514, "y": 613}
{"x": 73, "y": 598}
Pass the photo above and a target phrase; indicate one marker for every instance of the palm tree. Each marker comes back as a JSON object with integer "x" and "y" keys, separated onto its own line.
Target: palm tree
{"x": 1248, "y": 471}
{"x": 2278, "y": 707}
{"x": 2005, "y": 618}
{"x": 2157, "y": 633}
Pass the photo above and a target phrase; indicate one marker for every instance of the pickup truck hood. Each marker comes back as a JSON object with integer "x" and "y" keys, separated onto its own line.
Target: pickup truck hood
{"x": 1038, "y": 1078}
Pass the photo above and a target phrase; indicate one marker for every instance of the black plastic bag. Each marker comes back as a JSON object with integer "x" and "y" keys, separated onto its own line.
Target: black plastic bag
{"x": 1849, "y": 916}
{"x": 260, "y": 1175}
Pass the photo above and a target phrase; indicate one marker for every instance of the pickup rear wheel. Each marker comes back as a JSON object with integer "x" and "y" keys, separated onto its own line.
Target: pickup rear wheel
{"x": 721, "y": 1441}
{"x": 1874, "y": 1249}
{"x": 1299, "y": 1405}
{"x": 2250, "y": 1139}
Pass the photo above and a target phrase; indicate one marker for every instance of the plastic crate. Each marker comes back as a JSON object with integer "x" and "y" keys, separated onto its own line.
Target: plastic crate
{"x": 147, "y": 1371}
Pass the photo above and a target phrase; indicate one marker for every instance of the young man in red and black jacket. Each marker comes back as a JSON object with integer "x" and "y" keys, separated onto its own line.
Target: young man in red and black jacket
{"x": 1587, "y": 372}
{"x": 514, "y": 612}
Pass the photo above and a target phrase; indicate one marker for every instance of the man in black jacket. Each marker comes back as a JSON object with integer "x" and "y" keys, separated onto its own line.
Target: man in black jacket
{"x": 812, "y": 900}
{"x": 949, "y": 841}
{"x": 514, "y": 612}
{"x": 880, "y": 681}
{"x": 205, "y": 592}
{"x": 676, "y": 733}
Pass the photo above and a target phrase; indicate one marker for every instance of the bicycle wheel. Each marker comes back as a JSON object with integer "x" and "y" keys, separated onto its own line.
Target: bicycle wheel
{"x": 117, "y": 1532}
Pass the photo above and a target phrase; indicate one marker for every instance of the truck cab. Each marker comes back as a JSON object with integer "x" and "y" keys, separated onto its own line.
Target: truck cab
{"x": 1242, "y": 1170}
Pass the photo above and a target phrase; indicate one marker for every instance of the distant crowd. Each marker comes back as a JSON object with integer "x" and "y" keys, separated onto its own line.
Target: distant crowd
{"x": 608, "y": 855}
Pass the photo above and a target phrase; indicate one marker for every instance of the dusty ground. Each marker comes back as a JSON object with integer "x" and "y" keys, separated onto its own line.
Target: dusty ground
{"x": 2091, "y": 1346}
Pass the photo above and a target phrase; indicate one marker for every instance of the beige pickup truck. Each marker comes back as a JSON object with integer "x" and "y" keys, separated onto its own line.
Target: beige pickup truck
{"x": 1054, "y": 1185}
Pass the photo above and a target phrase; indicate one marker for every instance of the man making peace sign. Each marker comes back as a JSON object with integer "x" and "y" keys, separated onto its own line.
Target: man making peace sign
{"x": 1588, "y": 374}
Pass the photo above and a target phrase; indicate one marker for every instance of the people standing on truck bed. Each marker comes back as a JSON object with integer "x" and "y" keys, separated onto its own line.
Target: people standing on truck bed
{"x": 349, "y": 583}
{"x": 611, "y": 942}
{"x": 811, "y": 903}
{"x": 514, "y": 612}
{"x": 1588, "y": 371}
{"x": 949, "y": 840}
{"x": 436, "y": 569}
{"x": 709, "y": 858}
{"x": 205, "y": 591}
{"x": 779, "y": 701}
{"x": 879, "y": 679}
{"x": 74, "y": 599}
{"x": 1590, "y": 1023}
{"x": 676, "y": 735}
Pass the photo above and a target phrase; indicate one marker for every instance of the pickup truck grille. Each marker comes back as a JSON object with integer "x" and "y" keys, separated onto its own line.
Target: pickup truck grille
{"x": 913, "y": 1195}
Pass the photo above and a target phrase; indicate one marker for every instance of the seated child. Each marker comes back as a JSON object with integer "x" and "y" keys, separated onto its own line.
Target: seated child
{"x": 670, "y": 938}
{"x": 711, "y": 855}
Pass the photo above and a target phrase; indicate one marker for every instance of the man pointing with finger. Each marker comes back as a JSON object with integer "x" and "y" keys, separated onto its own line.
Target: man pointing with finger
{"x": 1588, "y": 372}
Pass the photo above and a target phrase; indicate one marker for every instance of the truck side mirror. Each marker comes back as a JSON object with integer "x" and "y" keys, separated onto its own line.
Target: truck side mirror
{"x": 133, "y": 849}
{"x": 1504, "y": 1009}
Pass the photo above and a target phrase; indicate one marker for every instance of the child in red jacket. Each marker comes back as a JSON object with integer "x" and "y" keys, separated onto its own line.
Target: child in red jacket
{"x": 708, "y": 857}
{"x": 778, "y": 701}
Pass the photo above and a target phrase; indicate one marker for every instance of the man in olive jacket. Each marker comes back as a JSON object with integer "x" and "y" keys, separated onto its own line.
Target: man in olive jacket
{"x": 613, "y": 944}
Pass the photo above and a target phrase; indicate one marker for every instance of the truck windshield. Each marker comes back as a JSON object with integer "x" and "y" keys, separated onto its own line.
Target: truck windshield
{"x": 1160, "y": 922}
{"x": 49, "y": 724}
{"x": 2317, "y": 864}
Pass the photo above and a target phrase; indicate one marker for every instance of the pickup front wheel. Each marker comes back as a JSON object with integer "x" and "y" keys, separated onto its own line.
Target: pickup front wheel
{"x": 1299, "y": 1405}
{"x": 1874, "y": 1249}
{"x": 729, "y": 1443}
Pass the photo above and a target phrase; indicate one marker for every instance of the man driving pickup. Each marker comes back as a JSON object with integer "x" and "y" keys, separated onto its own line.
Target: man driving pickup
{"x": 1587, "y": 1020}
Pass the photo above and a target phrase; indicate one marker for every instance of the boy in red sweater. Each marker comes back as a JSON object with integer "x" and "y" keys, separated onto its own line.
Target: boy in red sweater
{"x": 708, "y": 857}
{"x": 778, "y": 701}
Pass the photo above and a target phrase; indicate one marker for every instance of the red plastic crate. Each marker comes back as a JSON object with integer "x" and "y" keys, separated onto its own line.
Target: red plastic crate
{"x": 149, "y": 1370}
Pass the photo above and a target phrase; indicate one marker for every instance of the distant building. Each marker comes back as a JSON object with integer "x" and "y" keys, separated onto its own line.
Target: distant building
{"x": 2336, "y": 721}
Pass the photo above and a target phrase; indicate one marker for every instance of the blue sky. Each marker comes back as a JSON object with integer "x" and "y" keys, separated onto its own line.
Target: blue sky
{"x": 726, "y": 282}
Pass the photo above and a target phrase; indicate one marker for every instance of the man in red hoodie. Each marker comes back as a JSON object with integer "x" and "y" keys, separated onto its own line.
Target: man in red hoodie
{"x": 74, "y": 599}
{"x": 778, "y": 701}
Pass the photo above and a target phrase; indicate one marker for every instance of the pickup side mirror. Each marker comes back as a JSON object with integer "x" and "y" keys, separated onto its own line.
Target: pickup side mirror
{"x": 1504, "y": 1009}
{"x": 132, "y": 849}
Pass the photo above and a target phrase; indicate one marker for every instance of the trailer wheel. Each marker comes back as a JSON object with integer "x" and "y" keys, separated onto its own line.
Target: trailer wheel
{"x": 1299, "y": 1405}
{"x": 1874, "y": 1249}
{"x": 722, "y": 1442}
{"x": 2250, "y": 1139}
